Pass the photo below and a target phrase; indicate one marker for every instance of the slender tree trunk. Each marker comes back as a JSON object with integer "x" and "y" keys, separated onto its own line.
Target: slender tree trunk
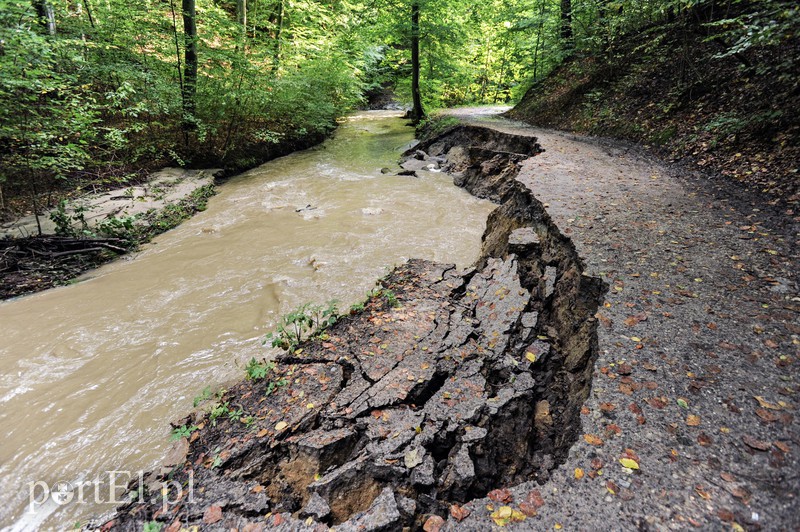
{"x": 47, "y": 15}
{"x": 417, "y": 112}
{"x": 278, "y": 33}
{"x": 241, "y": 12}
{"x": 190, "y": 64}
{"x": 566, "y": 23}
{"x": 88, "y": 12}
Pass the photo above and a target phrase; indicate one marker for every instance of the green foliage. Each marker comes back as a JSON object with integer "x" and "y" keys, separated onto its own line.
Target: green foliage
{"x": 152, "y": 526}
{"x": 275, "y": 385}
{"x": 204, "y": 396}
{"x": 258, "y": 370}
{"x": 183, "y": 431}
{"x": 304, "y": 322}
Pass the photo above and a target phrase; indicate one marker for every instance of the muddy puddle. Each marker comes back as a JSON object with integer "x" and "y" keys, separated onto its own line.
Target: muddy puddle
{"x": 92, "y": 373}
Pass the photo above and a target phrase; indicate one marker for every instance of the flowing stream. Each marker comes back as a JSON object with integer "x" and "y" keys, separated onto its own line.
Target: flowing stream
{"x": 92, "y": 373}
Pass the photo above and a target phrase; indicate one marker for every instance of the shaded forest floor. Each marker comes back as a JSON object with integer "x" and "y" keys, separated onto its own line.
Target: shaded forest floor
{"x": 665, "y": 88}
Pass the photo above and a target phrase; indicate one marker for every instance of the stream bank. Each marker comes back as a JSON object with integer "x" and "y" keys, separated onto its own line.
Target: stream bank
{"x": 448, "y": 385}
{"x": 101, "y": 226}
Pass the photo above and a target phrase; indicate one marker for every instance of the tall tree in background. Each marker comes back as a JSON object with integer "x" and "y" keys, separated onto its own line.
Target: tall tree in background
{"x": 417, "y": 112}
{"x": 47, "y": 16}
{"x": 190, "y": 65}
{"x": 566, "y": 23}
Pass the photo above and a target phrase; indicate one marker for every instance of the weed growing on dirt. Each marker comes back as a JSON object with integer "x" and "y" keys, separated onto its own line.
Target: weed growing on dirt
{"x": 183, "y": 431}
{"x": 302, "y": 323}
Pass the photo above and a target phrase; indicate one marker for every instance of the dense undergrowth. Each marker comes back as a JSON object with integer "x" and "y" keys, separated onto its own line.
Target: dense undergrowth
{"x": 686, "y": 90}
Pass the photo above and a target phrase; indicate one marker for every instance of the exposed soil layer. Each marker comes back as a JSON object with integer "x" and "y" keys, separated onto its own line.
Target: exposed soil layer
{"x": 471, "y": 381}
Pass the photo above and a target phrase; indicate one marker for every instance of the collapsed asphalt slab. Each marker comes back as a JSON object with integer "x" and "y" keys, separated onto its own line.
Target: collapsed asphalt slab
{"x": 689, "y": 418}
{"x": 447, "y": 386}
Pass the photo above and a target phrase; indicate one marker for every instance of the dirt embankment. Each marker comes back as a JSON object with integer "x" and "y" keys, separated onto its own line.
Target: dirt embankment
{"x": 670, "y": 89}
{"x": 447, "y": 386}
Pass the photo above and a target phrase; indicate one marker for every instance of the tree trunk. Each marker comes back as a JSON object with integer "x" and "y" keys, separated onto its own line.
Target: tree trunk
{"x": 241, "y": 12}
{"x": 47, "y": 15}
{"x": 566, "y": 23}
{"x": 190, "y": 64}
{"x": 417, "y": 112}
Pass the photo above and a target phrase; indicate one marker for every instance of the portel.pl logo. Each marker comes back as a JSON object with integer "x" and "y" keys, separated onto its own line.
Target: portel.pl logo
{"x": 113, "y": 488}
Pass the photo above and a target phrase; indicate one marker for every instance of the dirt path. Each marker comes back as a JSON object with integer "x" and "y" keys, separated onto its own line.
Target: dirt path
{"x": 697, "y": 376}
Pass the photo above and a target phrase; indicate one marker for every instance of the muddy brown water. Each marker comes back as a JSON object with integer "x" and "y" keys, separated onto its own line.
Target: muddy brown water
{"x": 92, "y": 373}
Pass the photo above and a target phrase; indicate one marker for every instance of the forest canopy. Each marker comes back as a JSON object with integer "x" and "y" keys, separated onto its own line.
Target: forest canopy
{"x": 95, "y": 92}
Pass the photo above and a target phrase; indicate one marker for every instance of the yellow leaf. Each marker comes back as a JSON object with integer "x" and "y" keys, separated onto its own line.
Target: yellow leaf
{"x": 763, "y": 403}
{"x": 578, "y": 473}
{"x": 629, "y": 463}
{"x": 502, "y": 515}
{"x": 281, "y": 425}
{"x": 693, "y": 420}
{"x": 636, "y": 339}
{"x": 310, "y": 405}
{"x": 530, "y": 356}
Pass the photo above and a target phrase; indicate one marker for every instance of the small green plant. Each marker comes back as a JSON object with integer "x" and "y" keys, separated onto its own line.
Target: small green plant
{"x": 219, "y": 410}
{"x": 152, "y": 526}
{"x": 272, "y": 386}
{"x": 205, "y": 395}
{"x": 65, "y": 223}
{"x": 358, "y": 307}
{"x": 257, "y": 370}
{"x": 390, "y": 297}
{"x": 235, "y": 414}
{"x": 302, "y": 323}
{"x": 182, "y": 432}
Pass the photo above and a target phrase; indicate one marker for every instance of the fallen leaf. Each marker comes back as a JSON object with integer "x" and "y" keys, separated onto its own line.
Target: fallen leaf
{"x": 629, "y": 463}
{"x": 704, "y": 439}
{"x": 740, "y": 492}
{"x": 702, "y": 492}
{"x": 727, "y": 477}
{"x": 459, "y": 513}
{"x": 756, "y": 444}
{"x": 693, "y": 420}
{"x": 591, "y": 439}
{"x": 607, "y": 407}
{"x": 505, "y": 514}
{"x": 501, "y": 495}
{"x": 657, "y": 402}
{"x": 281, "y": 425}
{"x": 578, "y": 473}
{"x": 433, "y": 524}
{"x": 530, "y": 356}
{"x": 763, "y": 403}
{"x": 766, "y": 415}
{"x": 782, "y": 446}
{"x": 534, "y": 498}
{"x": 212, "y": 515}
{"x": 611, "y": 487}
{"x": 682, "y": 402}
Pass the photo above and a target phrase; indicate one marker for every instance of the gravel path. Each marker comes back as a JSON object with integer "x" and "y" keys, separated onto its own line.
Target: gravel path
{"x": 699, "y": 347}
